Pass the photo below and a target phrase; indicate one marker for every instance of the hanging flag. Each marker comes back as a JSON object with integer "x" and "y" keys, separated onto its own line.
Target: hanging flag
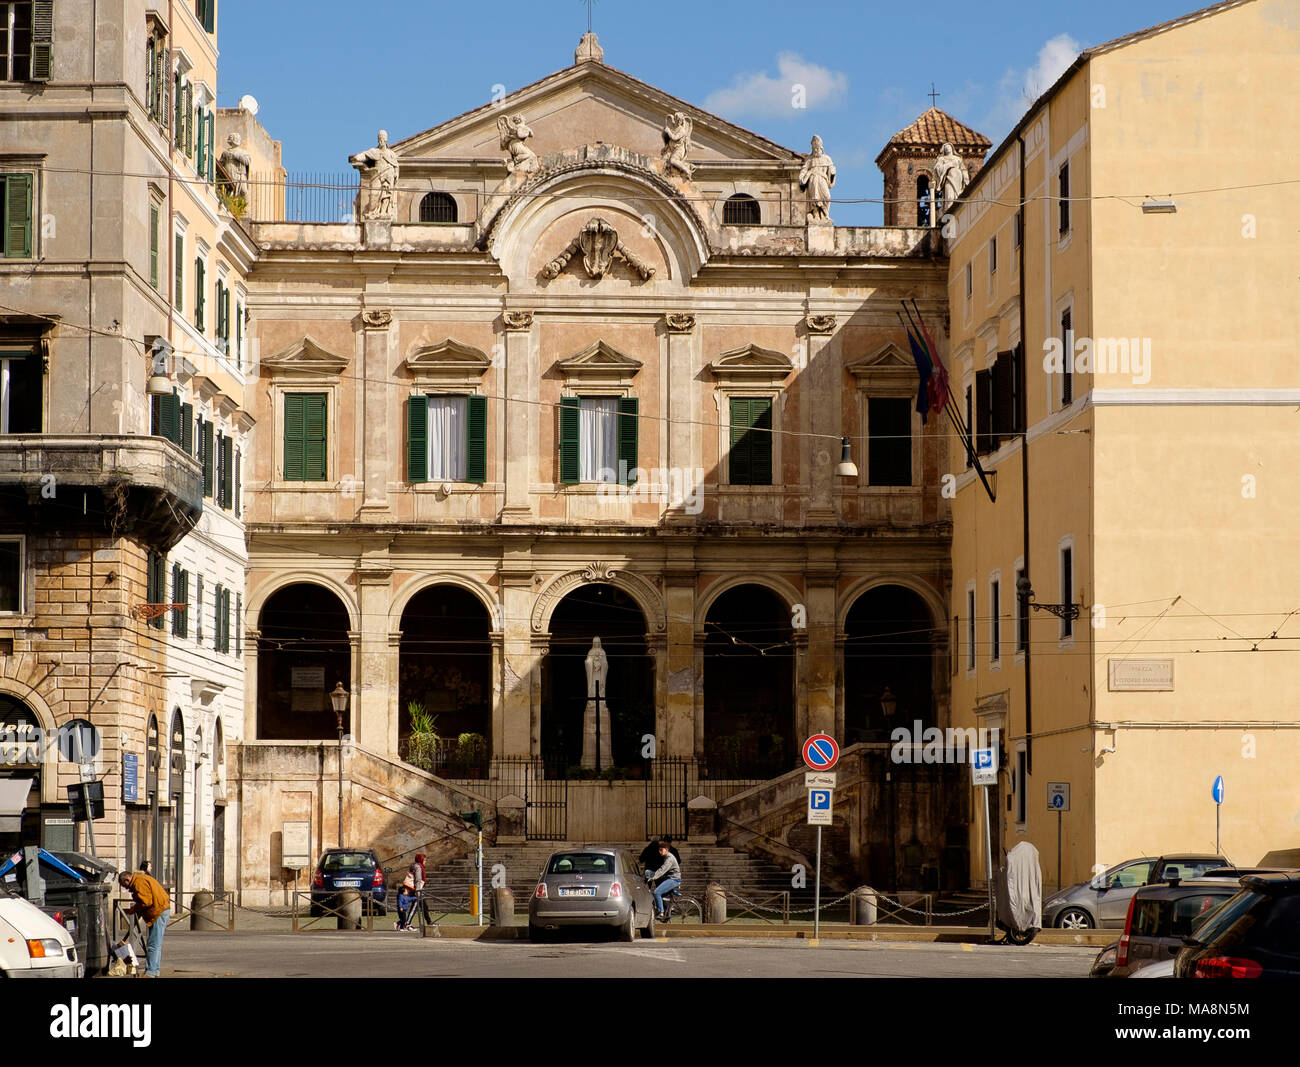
{"x": 939, "y": 378}
{"x": 924, "y": 368}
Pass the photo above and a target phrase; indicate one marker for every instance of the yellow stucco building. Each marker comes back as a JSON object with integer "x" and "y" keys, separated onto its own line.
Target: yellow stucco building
{"x": 1132, "y": 329}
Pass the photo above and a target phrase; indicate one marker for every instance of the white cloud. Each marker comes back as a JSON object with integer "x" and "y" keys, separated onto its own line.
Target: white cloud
{"x": 1017, "y": 89}
{"x": 797, "y": 82}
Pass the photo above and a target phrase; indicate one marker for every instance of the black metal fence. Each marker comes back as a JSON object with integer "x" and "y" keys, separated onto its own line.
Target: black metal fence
{"x": 667, "y": 792}
{"x": 545, "y": 794}
{"x": 303, "y": 196}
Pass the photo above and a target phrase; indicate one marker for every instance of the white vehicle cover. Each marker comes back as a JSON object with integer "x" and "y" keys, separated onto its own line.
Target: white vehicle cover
{"x": 1025, "y": 887}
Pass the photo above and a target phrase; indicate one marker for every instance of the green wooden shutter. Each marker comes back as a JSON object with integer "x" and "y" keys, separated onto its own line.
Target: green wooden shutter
{"x": 209, "y": 15}
{"x": 237, "y": 493}
{"x": 181, "y": 595}
{"x": 294, "y": 425}
{"x": 18, "y": 216}
{"x": 178, "y": 112}
{"x": 212, "y": 148}
{"x": 42, "y": 40}
{"x": 187, "y": 429}
{"x": 417, "y": 439}
{"x": 178, "y": 285}
{"x": 628, "y": 427}
{"x": 216, "y": 620}
{"x": 314, "y": 419}
{"x": 760, "y": 448}
{"x": 153, "y": 245}
{"x": 738, "y": 464}
{"x": 176, "y": 598}
{"x": 169, "y": 415}
{"x": 199, "y": 285}
{"x": 200, "y": 158}
{"x": 239, "y": 336}
{"x": 476, "y": 439}
{"x": 208, "y": 458}
{"x": 189, "y": 120}
{"x": 227, "y": 472}
{"x": 570, "y": 464}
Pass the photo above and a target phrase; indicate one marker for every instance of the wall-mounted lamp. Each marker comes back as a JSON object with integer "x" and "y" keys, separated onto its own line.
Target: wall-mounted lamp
{"x": 160, "y": 354}
{"x": 847, "y": 468}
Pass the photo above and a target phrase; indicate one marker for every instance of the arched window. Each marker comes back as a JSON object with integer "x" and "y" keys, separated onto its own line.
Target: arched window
{"x": 923, "y": 200}
{"x": 741, "y": 210}
{"x": 437, "y": 207}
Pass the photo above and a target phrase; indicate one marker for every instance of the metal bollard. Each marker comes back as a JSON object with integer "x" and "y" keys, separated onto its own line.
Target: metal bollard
{"x": 201, "y": 908}
{"x": 862, "y": 909}
{"x": 715, "y": 904}
{"x": 350, "y": 906}
{"x": 503, "y": 907}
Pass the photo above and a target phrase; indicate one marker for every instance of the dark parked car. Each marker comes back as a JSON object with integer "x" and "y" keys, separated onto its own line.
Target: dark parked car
{"x": 349, "y": 868}
{"x": 1103, "y": 901}
{"x": 1255, "y": 934}
{"x": 591, "y": 886}
{"x": 1159, "y": 917}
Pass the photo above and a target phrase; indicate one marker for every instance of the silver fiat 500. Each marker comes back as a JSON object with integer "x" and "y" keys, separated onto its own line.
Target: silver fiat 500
{"x": 591, "y": 886}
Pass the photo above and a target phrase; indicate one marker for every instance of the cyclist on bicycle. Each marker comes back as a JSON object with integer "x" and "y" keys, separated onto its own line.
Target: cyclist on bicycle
{"x": 667, "y": 878}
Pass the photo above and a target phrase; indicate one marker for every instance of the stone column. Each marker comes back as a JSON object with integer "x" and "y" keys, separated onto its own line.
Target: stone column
{"x": 677, "y": 730}
{"x": 374, "y": 722}
{"x": 251, "y": 686}
{"x": 819, "y": 401}
{"x": 519, "y": 416}
{"x": 498, "y": 704}
{"x": 820, "y": 671}
{"x": 516, "y": 659}
{"x": 657, "y": 650}
{"x": 680, "y": 412}
{"x": 377, "y": 411}
{"x": 801, "y": 729}
{"x": 700, "y": 680}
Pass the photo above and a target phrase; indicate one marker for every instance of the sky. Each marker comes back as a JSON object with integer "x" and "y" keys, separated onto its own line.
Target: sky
{"x": 329, "y": 73}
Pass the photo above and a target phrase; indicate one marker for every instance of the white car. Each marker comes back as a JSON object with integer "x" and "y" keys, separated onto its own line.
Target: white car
{"x": 32, "y": 945}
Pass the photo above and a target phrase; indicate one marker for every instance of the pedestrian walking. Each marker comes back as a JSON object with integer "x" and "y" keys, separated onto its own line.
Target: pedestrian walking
{"x": 419, "y": 887}
{"x": 154, "y": 906}
{"x": 406, "y": 900}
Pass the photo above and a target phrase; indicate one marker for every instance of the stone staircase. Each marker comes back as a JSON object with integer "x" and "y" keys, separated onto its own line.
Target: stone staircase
{"x": 740, "y": 874}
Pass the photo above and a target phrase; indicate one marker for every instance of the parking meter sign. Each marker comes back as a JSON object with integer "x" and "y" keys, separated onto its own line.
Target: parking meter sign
{"x": 819, "y": 807}
{"x": 984, "y": 766}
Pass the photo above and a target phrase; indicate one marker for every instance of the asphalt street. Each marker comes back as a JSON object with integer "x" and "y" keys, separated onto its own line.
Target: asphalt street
{"x": 395, "y": 955}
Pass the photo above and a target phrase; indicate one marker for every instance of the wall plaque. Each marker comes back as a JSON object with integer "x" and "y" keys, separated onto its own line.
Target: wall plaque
{"x": 1141, "y": 675}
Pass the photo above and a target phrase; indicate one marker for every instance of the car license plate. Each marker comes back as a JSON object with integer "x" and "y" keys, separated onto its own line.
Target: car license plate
{"x": 347, "y": 883}
{"x": 578, "y": 891}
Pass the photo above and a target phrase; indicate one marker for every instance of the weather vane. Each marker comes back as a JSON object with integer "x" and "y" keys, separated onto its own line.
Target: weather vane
{"x": 591, "y": 4}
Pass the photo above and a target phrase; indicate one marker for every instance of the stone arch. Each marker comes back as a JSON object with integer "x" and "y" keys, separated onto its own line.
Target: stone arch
{"x": 258, "y": 597}
{"x": 24, "y": 694}
{"x": 646, "y": 594}
{"x": 923, "y": 589}
{"x": 509, "y": 229}
{"x": 782, "y": 588}
{"x": 412, "y": 587}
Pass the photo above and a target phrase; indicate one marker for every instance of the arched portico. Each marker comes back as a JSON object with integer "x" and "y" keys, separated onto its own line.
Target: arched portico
{"x": 304, "y": 649}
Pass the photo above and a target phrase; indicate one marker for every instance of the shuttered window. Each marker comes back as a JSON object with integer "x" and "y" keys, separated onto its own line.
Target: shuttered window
{"x": 199, "y": 301}
{"x": 750, "y": 457}
{"x": 206, "y": 447}
{"x": 598, "y": 437}
{"x": 156, "y": 584}
{"x": 304, "y": 437}
{"x": 178, "y": 283}
{"x": 446, "y": 439}
{"x": 570, "y": 412}
{"x": 17, "y": 205}
{"x": 180, "y": 595}
{"x": 227, "y": 487}
{"x": 187, "y": 429}
{"x": 26, "y": 40}
{"x": 153, "y": 245}
{"x": 629, "y": 425}
{"x": 189, "y": 121}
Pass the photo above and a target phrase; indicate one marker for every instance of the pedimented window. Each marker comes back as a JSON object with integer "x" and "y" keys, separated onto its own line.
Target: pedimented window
{"x": 306, "y": 358}
{"x": 599, "y": 364}
{"x": 752, "y": 365}
{"x": 888, "y": 371}
{"x": 448, "y": 364}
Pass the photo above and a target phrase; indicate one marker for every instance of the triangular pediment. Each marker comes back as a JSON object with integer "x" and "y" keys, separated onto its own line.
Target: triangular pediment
{"x": 604, "y": 104}
{"x": 889, "y": 359}
{"x": 752, "y": 363}
{"x": 447, "y": 360}
{"x": 306, "y": 356}
{"x": 599, "y": 362}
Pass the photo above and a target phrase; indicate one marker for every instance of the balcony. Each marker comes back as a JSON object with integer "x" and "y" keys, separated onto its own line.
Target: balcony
{"x": 148, "y": 486}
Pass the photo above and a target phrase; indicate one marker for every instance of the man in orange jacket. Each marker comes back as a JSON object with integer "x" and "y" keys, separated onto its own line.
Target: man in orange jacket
{"x": 155, "y": 906}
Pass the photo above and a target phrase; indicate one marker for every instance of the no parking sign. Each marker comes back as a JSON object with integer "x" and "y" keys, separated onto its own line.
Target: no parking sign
{"x": 821, "y": 752}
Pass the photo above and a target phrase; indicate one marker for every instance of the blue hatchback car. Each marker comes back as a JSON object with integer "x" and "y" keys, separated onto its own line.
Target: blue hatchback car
{"x": 349, "y": 868}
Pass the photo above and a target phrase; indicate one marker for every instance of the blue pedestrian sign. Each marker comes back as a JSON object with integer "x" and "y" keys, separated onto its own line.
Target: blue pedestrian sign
{"x": 1217, "y": 791}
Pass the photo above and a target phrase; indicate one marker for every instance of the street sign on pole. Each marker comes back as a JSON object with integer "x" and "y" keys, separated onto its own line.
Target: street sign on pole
{"x": 814, "y": 780}
{"x": 1058, "y": 796}
{"x": 819, "y": 807}
{"x": 821, "y": 752}
{"x": 1217, "y": 793}
{"x": 984, "y": 766}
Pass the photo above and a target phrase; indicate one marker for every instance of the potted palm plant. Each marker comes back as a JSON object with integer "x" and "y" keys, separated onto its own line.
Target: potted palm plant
{"x": 422, "y": 744}
{"x": 471, "y": 752}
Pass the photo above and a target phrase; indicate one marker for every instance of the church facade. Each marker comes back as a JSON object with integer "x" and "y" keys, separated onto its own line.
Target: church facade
{"x": 584, "y": 367}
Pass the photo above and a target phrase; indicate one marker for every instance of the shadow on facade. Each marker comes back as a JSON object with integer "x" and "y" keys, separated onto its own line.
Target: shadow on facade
{"x": 888, "y": 643}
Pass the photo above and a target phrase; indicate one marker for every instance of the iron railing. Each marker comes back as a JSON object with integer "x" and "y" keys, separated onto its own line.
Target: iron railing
{"x": 304, "y": 196}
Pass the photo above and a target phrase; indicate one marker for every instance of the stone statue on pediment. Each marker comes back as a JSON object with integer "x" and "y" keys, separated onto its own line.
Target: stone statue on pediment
{"x": 596, "y": 746}
{"x": 817, "y": 176}
{"x": 950, "y": 174}
{"x": 677, "y": 142}
{"x": 378, "y": 167}
{"x": 514, "y": 132}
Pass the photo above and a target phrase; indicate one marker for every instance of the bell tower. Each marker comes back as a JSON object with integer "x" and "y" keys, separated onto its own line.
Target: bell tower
{"x": 907, "y": 163}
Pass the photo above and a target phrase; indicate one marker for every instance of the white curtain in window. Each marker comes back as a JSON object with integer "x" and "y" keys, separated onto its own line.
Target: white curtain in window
{"x": 447, "y": 438}
{"x": 598, "y": 439}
